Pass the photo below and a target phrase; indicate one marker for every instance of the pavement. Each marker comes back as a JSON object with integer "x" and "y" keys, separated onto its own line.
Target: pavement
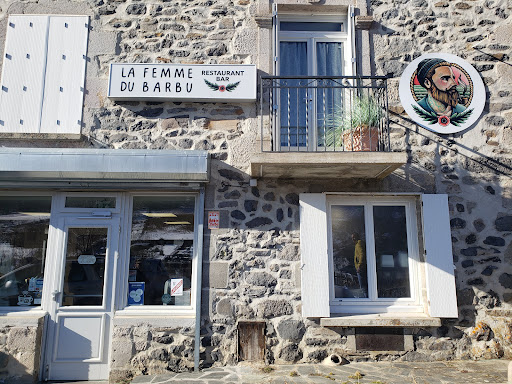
{"x": 445, "y": 372}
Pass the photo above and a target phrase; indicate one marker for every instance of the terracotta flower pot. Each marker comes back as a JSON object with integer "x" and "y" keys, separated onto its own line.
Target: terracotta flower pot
{"x": 362, "y": 138}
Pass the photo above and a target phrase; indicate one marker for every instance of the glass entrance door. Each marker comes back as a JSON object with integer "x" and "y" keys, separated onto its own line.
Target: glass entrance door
{"x": 82, "y": 305}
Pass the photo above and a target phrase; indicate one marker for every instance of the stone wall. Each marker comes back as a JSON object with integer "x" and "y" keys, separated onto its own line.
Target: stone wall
{"x": 252, "y": 264}
{"x": 473, "y": 167}
{"x": 20, "y": 349}
{"x": 151, "y": 346}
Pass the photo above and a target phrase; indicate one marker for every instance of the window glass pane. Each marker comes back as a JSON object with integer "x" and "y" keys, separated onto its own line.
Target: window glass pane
{"x": 391, "y": 251}
{"x": 329, "y": 100}
{"x": 307, "y": 26}
{"x": 349, "y": 251}
{"x": 86, "y": 252}
{"x": 90, "y": 202}
{"x": 293, "y": 93}
{"x": 161, "y": 250}
{"x": 24, "y": 222}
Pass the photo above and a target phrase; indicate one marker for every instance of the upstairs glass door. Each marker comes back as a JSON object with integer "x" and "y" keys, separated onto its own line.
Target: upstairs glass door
{"x": 313, "y": 51}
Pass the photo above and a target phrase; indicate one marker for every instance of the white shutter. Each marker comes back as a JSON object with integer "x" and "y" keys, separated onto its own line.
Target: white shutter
{"x": 314, "y": 255}
{"x": 65, "y": 74}
{"x": 23, "y": 74}
{"x": 441, "y": 292}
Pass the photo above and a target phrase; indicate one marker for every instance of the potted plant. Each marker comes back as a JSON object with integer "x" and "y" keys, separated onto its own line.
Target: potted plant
{"x": 357, "y": 128}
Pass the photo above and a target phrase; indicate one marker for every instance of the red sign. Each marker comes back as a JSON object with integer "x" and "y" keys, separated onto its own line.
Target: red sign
{"x": 213, "y": 220}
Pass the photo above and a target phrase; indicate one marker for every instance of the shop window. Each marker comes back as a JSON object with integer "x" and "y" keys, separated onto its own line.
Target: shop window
{"x": 43, "y": 74}
{"x": 24, "y": 222}
{"x": 161, "y": 251}
{"x": 361, "y": 255}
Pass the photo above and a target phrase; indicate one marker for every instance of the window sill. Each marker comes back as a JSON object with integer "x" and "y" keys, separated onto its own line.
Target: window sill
{"x": 27, "y": 318}
{"x": 172, "y": 320}
{"x": 381, "y": 320}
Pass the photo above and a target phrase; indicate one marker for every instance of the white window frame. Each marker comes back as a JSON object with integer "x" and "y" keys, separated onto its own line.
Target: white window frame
{"x": 345, "y": 38}
{"x": 373, "y": 304}
{"x": 62, "y": 202}
{"x": 435, "y": 276}
{"x": 311, "y": 37}
{"x": 32, "y": 310}
{"x": 122, "y": 307}
{"x": 124, "y": 206}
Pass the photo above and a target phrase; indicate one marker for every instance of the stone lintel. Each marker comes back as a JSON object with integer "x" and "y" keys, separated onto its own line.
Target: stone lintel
{"x": 364, "y": 22}
{"x": 263, "y": 21}
{"x": 382, "y": 320}
{"x": 313, "y": 6}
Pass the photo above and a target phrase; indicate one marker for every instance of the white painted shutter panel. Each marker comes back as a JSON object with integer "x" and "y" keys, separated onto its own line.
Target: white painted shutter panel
{"x": 441, "y": 292}
{"x": 23, "y": 74}
{"x": 315, "y": 260}
{"x": 65, "y": 74}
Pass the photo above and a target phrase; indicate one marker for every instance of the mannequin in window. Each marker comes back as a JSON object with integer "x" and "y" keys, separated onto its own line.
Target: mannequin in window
{"x": 360, "y": 262}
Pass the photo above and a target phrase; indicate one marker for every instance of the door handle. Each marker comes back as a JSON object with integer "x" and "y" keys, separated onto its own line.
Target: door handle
{"x": 55, "y": 295}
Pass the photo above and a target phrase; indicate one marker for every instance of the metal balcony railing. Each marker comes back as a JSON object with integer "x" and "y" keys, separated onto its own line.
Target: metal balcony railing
{"x": 317, "y": 113}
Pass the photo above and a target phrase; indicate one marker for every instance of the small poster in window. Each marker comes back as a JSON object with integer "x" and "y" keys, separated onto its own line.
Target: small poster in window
{"x": 32, "y": 284}
{"x": 132, "y": 275}
{"x": 25, "y": 299}
{"x": 176, "y": 287}
{"x": 136, "y": 293}
{"x": 213, "y": 220}
{"x": 35, "y": 284}
{"x": 37, "y": 298}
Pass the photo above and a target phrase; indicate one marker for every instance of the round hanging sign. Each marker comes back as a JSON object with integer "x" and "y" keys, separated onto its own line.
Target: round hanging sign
{"x": 442, "y": 93}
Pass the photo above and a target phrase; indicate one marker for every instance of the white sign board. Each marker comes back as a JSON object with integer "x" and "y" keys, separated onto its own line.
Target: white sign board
{"x": 180, "y": 82}
{"x": 87, "y": 259}
{"x": 442, "y": 93}
{"x": 176, "y": 287}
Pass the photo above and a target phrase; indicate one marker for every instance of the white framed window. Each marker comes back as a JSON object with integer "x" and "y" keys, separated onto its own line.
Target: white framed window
{"x": 321, "y": 48}
{"x": 360, "y": 255}
{"x": 43, "y": 74}
{"x": 162, "y": 253}
{"x": 319, "y": 45}
{"x": 373, "y": 255}
{"x": 24, "y": 226}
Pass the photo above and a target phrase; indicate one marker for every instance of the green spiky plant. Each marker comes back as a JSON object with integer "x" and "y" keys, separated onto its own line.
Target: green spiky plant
{"x": 364, "y": 112}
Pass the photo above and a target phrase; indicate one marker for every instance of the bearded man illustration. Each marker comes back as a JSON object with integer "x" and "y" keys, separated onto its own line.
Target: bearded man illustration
{"x": 442, "y": 103}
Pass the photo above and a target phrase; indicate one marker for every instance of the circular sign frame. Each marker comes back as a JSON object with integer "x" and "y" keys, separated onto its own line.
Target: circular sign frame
{"x": 450, "y": 110}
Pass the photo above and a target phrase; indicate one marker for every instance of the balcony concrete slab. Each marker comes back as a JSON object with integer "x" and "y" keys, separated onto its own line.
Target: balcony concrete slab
{"x": 324, "y": 165}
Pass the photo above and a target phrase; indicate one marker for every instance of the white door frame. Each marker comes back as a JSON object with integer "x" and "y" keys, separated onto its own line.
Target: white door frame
{"x": 311, "y": 38}
{"x": 79, "y": 368}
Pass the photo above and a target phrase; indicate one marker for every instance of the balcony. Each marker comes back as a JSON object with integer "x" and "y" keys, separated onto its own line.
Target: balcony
{"x": 324, "y": 127}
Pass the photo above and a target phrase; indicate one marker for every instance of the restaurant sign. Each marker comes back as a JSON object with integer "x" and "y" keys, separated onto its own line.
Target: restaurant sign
{"x": 180, "y": 82}
{"x": 442, "y": 93}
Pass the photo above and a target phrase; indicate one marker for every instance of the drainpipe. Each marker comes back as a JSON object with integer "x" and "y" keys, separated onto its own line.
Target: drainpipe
{"x": 199, "y": 272}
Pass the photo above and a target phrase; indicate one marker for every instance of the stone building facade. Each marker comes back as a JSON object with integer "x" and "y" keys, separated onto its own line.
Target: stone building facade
{"x": 252, "y": 268}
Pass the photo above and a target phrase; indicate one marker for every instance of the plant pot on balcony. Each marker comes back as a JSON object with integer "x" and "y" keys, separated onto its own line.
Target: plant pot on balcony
{"x": 361, "y": 138}
{"x": 356, "y": 127}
